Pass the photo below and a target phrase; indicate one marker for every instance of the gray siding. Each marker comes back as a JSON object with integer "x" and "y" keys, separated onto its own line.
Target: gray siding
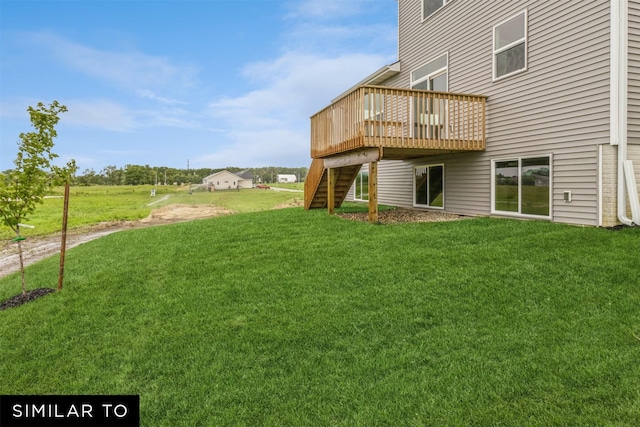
{"x": 633, "y": 95}
{"x": 559, "y": 106}
{"x": 396, "y": 188}
{"x": 633, "y": 154}
{"x": 610, "y": 181}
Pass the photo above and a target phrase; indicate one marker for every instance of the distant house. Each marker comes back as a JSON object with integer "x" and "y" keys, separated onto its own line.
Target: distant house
{"x": 225, "y": 180}
{"x": 283, "y": 178}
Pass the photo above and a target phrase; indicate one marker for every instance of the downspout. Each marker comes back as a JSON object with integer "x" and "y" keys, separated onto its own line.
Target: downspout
{"x": 618, "y": 112}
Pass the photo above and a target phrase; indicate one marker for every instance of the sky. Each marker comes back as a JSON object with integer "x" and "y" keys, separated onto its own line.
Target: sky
{"x": 177, "y": 83}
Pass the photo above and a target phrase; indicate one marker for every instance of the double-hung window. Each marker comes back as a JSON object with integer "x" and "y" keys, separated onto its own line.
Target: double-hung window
{"x": 429, "y": 7}
{"x": 522, "y": 186}
{"x": 428, "y": 186}
{"x": 510, "y": 46}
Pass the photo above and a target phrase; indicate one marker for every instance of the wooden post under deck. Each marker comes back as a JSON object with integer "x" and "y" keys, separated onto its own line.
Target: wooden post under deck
{"x": 331, "y": 193}
{"x": 373, "y": 192}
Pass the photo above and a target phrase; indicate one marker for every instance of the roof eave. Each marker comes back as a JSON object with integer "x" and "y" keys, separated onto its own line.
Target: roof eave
{"x": 376, "y": 78}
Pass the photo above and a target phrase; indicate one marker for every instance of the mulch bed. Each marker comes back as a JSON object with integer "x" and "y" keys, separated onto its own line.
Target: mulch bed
{"x": 18, "y": 300}
{"x": 404, "y": 215}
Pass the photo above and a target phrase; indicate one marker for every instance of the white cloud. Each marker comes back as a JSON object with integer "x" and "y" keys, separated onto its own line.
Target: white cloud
{"x": 133, "y": 70}
{"x": 326, "y": 50}
{"x": 113, "y": 116}
{"x": 295, "y": 85}
{"x": 270, "y": 125}
{"x": 326, "y": 47}
{"x": 148, "y": 94}
{"x": 275, "y": 147}
{"x": 168, "y": 117}
{"x": 101, "y": 113}
{"x": 324, "y": 9}
{"x": 16, "y": 107}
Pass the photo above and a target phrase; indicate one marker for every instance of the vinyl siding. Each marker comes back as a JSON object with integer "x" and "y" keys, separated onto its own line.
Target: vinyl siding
{"x": 396, "y": 189}
{"x": 633, "y": 95}
{"x": 610, "y": 181}
{"x": 633, "y": 154}
{"x": 559, "y": 106}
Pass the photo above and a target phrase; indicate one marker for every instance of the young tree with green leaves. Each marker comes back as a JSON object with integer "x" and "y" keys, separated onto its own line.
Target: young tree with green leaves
{"x": 23, "y": 187}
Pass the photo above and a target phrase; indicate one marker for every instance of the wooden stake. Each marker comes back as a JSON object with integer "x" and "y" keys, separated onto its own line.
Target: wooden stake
{"x": 24, "y": 286}
{"x": 63, "y": 245}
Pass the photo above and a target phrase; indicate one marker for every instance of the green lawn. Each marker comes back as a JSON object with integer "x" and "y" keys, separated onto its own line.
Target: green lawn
{"x": 293, "y": 318}
{"x": 289, "y": 185}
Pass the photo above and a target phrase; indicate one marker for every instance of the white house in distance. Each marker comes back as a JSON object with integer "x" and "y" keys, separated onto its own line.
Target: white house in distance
{"x": 225, "y": 180}
{"x": 284, "y": 178}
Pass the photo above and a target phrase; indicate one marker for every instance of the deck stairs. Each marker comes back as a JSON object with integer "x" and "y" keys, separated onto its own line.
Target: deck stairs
{"x": 316, "y": 189}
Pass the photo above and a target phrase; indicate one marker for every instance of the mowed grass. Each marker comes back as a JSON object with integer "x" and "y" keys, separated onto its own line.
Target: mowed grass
{"x": 293, "y": 317}
{"x": 94, "y": 204}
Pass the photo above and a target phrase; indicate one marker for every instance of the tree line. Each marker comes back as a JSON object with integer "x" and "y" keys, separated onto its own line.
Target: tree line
{"x": 160, "y": 175}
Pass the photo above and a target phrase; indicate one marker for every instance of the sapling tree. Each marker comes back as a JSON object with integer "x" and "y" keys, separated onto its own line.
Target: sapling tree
{"x": 23, "y": 187}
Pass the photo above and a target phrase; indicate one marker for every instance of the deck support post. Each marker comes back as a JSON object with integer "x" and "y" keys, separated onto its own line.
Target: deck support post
{"x": 331, "y": 193}
{"x": 373, "y": 192}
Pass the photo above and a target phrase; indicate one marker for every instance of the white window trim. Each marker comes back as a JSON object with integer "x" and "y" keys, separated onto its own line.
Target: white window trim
{"x": 510, "y": 45}
{"x": 424, "y": 18}
{"x": 427, "y": 165}
{"x": 355, "y": 189}
{"x": 437, "y": 72}
{"x": 444, "y": 69}
{"x": 518, "y": 214}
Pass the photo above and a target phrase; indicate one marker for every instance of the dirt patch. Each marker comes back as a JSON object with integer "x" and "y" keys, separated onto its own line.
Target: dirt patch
{"x": 178, "y": 212}
{"x": 37, "y": 248}
{"x": 295, "y": 203}
{"x": 404, "y": 215}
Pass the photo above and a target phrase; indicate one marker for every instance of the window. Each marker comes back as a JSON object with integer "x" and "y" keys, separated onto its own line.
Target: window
{"x": 362, "y": 186}
{"x": 522, "y": 186}
{"x": 429, "y": 7}
{"x": 373, "y": 106}
{"x": 510, "y": 46}
{"x": 429, "y": 111}
{"x": 428, "y": 186}
{"x": 432, "y": 75}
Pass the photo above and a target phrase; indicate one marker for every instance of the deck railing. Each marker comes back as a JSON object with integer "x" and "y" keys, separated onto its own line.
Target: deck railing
{"x": 378, "y": 116}
{"x": 312, "y": 180}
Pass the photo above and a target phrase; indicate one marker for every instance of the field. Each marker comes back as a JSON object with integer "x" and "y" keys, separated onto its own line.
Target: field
{"x": 293, "y": 317}
{"x": 90, "y": 205}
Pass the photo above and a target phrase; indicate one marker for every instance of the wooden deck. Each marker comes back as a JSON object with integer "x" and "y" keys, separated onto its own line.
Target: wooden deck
{"x": 372, "y": 123}
{"x": 404, "y": 123}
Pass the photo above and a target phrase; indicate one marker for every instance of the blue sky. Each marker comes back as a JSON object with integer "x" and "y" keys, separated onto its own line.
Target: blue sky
{"x": 213, "y": 82}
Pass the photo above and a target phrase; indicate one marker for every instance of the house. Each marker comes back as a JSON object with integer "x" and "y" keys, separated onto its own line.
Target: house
{"x": 225, "y": 180}
{"x": 523, "y": 109}
{"x": 287, "y": 178}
